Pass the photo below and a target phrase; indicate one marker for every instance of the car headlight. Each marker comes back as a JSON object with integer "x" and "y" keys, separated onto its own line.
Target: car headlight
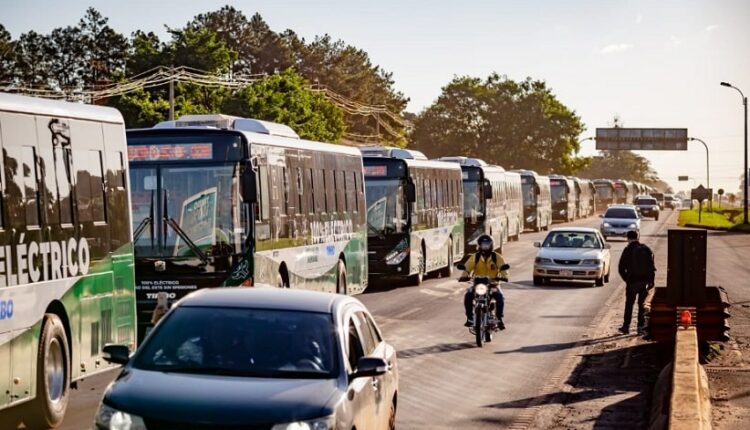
{"x": 325, "y": 423}
{"x": 397, "y": 255}
{"x": 593, "y": 261}
{"x": 606, "y": 224}
{"x": 632, "y": 225}
{"x": 480, "y": 289}
{"x": 109, "y": 418}
{"x": 542, "y": 260}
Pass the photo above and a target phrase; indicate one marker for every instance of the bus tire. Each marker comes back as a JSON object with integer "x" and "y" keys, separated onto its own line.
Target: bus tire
{"x": 447, "y": 272}
{"x": 52, "y": 376}
{"x": 417, "y": 278}
{"x": 341, "y": 278}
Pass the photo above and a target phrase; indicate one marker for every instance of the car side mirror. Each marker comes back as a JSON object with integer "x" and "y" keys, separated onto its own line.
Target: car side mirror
{"x": 411, "y": 192}
{"x": 249, "y": 191}
{"x": 537, "y": 244}
{"x": 601, "y": 215}
{"x": 607, "y": 246}
{"x": 369, "y": 367}
{"x": 460, "y": 266}
{"x": 116, "y": 354}
{"x": 487, "y": 190}
{"x": 505, "y": 267}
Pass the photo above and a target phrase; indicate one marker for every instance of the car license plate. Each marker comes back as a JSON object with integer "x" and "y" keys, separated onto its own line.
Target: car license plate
{"x": 566, "y": 273}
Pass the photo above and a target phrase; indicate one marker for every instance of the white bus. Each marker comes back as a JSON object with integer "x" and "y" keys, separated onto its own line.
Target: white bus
{"x": 66, "y": 259}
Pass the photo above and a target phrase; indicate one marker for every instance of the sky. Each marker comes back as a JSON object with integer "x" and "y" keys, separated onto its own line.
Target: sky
{"x": 653, "y": 64}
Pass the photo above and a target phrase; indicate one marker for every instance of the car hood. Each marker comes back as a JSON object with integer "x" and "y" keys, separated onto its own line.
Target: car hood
{"x": 570, "y": 253}
{"x": 621, "y": 220}
{"x": 219, "y": 400}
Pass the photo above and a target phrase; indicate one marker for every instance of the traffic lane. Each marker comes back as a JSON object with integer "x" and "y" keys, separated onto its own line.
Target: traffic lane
{"x": 445, "y": 381}
{"x": 84, "y": 402}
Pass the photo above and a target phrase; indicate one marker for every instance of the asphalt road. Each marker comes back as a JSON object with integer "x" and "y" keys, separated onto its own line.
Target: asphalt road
{"x": 446, "y": 381}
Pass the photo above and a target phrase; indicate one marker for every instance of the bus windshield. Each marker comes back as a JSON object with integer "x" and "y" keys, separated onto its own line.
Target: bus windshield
{"x": 559, "y": 193}
{"x": 194, "y": 211}
{"x": 603, "y": 192}
{"x": 386, "y": 211}
{"x": 473, "y": 201}
{"x": 529, "y": 196}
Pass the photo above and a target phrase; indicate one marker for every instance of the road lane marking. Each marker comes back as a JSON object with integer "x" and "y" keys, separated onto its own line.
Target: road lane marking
{"x": 407, "y": 313}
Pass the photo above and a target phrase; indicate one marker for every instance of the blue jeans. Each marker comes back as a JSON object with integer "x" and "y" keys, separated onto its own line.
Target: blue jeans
{"x": 496, "y": 292}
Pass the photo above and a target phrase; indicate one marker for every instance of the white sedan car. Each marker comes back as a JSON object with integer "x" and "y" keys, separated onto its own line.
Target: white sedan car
{"x": 573, "y": 253}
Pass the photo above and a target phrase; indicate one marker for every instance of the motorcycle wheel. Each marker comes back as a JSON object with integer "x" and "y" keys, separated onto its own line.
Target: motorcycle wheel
{"x": 488, "y": 336}
{"x": 478, "y": 318}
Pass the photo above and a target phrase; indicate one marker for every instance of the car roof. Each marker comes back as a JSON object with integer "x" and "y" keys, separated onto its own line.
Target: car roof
{"x": 575, "y": 229}
{"x": 268, "y": 298}
{"x": 621, "y": 207}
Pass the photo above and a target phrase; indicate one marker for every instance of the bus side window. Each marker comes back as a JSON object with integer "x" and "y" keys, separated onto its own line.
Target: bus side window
{"x": 31, "y": 185}
{"x": 340, "y": 195}
{"x": 285, "y": 203}
{"x": 98, "y": 193}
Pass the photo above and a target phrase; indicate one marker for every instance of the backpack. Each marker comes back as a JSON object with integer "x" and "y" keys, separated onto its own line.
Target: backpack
{"x": 641, "y": 266}
{"x": 477, "y": 256}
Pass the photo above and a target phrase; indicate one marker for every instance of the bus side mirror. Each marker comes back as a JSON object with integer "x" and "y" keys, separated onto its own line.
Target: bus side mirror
{"x": 247, "y": 184}
{"x": 411, "y": 192}
{"x": 537, "y": 189}
{"x": 487, "y": 190}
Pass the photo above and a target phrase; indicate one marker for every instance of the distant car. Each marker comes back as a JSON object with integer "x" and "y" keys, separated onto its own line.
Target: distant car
{"x": 659, "y": 199}
{"x": 574, "y": 254}
{"x": 671, "y": 201}
{"x": 259, "y": 358}
{"x": 647, "y": 206}
{"x": 618, "y": 220}
{"x": 687, "y": 203}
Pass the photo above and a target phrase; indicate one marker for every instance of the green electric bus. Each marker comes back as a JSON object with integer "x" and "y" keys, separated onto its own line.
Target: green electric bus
{"x": 66, "y": 259}
{"x": 563, "y": 192}
{"x": 226, "y": 201}
{"x": 414, "y": 214}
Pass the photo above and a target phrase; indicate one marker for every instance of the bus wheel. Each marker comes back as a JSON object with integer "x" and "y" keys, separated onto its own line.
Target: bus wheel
{"x": 417, "y": 278}
{"x": 52, "y": 375}
{"x": 341, "y": 278}
{"x": 447, "y": 272}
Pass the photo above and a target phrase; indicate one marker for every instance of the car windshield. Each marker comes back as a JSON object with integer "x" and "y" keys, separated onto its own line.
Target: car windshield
{"x": 241, "y": 342}
{"x": 386, "y": 208}
{"x": 571, "y": 239}
{"x": 621, "y": 213}
{"x": 646, "y": 201}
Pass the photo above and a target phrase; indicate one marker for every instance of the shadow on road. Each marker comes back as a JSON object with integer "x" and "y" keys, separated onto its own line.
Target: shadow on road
{"x": 551, "y": 347}
{"x": 434, "y": 349}
{"x": 556, "y": 285}
{"x": 611, "y": 388}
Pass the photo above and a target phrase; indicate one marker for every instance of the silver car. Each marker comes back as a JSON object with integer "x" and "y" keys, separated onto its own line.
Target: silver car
{"x": 618, "y": 220}
{"x": 573, "y": 253}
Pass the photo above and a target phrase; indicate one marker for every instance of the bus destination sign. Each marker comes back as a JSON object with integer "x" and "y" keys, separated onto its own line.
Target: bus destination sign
{"x": 642, "y": 139}
{"x": 171, "y": 152}
{"x": 375, "y": 171}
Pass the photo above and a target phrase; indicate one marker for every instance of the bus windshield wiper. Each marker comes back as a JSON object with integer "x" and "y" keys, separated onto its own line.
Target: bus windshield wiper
{"x": 180, "y": 232}
{"x": 375, "y": 230}
{"x": 141, "y": 228}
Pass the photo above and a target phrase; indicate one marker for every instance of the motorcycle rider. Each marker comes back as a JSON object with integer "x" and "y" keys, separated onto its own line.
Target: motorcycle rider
{"x": 486, "y": 262}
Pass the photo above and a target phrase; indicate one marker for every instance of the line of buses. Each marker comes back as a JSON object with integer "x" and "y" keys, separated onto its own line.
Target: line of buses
{"x": 99, "y": 225}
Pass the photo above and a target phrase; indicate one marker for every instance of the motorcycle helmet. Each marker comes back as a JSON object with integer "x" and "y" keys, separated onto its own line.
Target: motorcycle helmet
{"x": 485, "y": 244}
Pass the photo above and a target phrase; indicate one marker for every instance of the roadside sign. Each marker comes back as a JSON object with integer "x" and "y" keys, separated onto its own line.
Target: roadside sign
{"x": 721, "y": 191}
{"x": 701, "y": 193}
{"x": 640, "y": 139}
{"x": 682, "y": 178}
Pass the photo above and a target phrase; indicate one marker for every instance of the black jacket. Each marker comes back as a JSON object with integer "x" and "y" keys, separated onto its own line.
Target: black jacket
{"x": 631, "y": 269}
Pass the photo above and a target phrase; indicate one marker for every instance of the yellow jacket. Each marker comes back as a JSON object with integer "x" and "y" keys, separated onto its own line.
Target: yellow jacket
{"x": 485, "y": 267}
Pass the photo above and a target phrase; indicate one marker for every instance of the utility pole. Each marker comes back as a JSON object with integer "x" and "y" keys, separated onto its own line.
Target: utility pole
{"x": 708, "y": 180}
{"x": 171, "y": 93}
{"x": 745, "y": 172}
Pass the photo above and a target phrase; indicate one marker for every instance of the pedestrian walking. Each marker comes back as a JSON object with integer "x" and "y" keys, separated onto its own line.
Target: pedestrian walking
{"x": 638, "y": 271}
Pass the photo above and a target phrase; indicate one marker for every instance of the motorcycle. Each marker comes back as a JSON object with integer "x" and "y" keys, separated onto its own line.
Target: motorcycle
{"x": 485, "y": 321}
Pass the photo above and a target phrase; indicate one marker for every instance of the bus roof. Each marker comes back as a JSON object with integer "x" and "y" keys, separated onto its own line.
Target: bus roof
{"x": 391, "y": 152}
{"x": 232, "y": 123}
{"x": 465, "y": 161}
{"x": 61, "y": 109}
{"x": 526, "y": 172}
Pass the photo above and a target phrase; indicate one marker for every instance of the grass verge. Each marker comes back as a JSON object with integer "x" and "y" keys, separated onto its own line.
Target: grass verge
{"x": 713, "y": 220}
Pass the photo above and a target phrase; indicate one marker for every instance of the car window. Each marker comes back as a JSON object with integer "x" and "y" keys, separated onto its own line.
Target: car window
{"x": 645, "y": 201}
{"x": 241, "y": 341}
{"x": 370, "y": 340}
{"x": 355, "y": 345}
{"x": 571, "y": 239}
{"x": 623, "y": 213}
{"x": 374, "y": 329}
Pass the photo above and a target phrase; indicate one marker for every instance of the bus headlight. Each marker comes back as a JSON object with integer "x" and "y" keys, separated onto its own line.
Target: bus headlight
{"x": 531, "y": 218}
{"x": 109, "y": 418}
{"x": 397, "y": 255}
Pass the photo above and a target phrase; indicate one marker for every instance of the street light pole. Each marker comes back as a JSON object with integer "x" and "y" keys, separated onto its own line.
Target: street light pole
{"x": 708, "y": 180}
{"x": 745, "y": 172}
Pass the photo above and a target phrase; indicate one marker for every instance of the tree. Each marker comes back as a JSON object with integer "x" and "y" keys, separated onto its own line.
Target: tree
{"x": 105, "y": 50}
{"x": 140, "y": 108}
{"x": 31, "y": 60}
{"x": 65, "y": 52}
{"x": 7, "y": 56}
{"x": 513, "y": 124}
{"x": 146, "y": 53}
{"x": 286, "y": 98}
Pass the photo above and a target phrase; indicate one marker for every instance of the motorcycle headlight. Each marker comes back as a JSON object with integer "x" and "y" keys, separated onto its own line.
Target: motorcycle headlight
{"x": 480, "y": 289}
{"x": 109, "y": 418}
{"x": 325, "y": 423}
{"x": 594, "y": 262}
{"x": 542, "y": 260}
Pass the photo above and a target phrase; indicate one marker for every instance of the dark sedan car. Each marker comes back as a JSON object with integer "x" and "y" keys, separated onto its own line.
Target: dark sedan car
{"x": 255, "y": 359}
{"x": 647, "y": 206}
